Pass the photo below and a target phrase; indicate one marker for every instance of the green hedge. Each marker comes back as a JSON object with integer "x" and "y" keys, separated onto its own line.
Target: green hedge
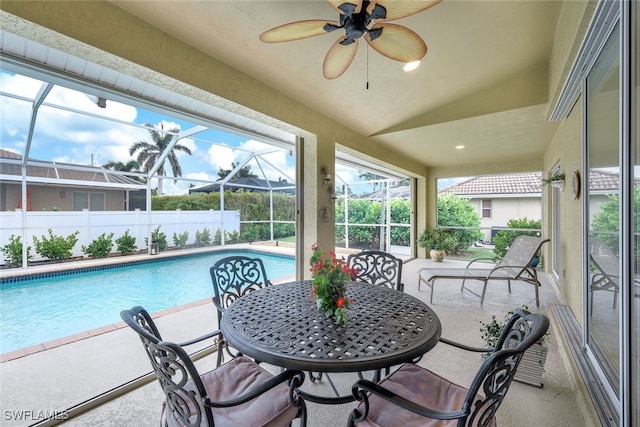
{"x": 252, "y": 207}
{"x": 363, "y": 211}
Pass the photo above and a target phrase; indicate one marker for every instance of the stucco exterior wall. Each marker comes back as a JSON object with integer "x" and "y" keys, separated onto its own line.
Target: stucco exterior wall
{"x": 52, "y": 197}
{"x": 504, "y": 209}
{"x": 565, "y": 150}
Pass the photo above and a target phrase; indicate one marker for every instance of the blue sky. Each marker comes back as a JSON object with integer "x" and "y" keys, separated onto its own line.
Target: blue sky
{"x": 67, "y": 136}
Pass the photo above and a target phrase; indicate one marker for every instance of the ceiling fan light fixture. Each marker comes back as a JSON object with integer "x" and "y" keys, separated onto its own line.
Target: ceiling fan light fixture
{"x": 361, "y": 19}
{"x": 459, "y": 147}
{"x": 410, "y": 66}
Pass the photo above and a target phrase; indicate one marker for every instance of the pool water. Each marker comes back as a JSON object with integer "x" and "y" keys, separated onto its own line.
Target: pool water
{"x": 40, "y": 310}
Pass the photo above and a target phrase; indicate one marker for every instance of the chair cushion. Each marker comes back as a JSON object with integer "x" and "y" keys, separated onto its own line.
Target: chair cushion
{"x": 233, "y": 379}
{"x": 420, "y": 386}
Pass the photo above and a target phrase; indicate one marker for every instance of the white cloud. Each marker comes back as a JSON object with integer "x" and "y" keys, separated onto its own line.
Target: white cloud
{"x": 62, "y": 134}
{"x": 220, "y": 157}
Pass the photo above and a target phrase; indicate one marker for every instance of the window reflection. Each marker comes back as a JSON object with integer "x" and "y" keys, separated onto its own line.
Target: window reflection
{"x": 603, "y": 112}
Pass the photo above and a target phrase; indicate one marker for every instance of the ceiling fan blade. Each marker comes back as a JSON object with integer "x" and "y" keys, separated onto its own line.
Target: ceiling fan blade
{"x": 401, "y": 9}
{"x": 397, "y": 42}
{"x": 296, "y": 31}
{"x": 339, "y": 58}
{"x": 336, "y": 5}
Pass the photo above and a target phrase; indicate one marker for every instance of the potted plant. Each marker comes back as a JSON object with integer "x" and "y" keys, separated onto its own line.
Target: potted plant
{"x": 556, "y": 180}
{"x": 532, "y": 364}
{"x": 438, "y": 242}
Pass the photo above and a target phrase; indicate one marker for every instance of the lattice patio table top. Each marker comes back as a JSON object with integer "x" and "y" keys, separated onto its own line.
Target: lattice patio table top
{"x": 281, "y": 325}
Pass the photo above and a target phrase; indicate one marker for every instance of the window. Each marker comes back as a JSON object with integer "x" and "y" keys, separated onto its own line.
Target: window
{"x": 92, "y": 201}
{"x": 486, "y": 209}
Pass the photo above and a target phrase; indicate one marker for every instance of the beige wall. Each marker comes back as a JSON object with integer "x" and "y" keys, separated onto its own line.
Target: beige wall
{"x": 504, "y": 209}
{"x": 52, "y": 197}
{"x": 565, "y": 150}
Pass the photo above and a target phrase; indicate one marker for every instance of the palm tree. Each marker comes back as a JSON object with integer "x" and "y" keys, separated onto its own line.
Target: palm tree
{"x": 368, "y": 176}
{"x": 243, "y": 172}
{"x": 148, "y": 154}
{"x": 130, "y": 166}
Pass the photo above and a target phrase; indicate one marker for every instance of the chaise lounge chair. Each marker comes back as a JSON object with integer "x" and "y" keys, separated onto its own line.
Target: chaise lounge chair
{"x": 515, "y": 265}
{"x": 606, "y": 273}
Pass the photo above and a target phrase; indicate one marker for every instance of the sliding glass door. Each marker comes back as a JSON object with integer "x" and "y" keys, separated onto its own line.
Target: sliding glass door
{"x": 603, "y": 219}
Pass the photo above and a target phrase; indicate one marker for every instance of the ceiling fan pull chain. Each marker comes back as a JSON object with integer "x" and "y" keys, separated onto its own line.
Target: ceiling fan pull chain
{"x": 367, "y": 67}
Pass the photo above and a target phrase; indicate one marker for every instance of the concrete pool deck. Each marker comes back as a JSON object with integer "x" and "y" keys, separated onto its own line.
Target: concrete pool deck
{"x": 62, "y": 377}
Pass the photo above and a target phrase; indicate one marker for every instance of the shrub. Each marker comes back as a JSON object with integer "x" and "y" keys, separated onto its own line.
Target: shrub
{"x": 56, "y": 247}
{"x": 232, "y": 237}
{"x": 504, "y": 238}
{"x": 180, "y": 240}
{"x": 203, "y": 238}
{"x": 13, "y": 251}
{"x": 250, "y": 232}
{"x": 100, "y": 247}
{"x": 454, "y": 211}
{"x": 438, "y": 239}
{"x": 158, "y": 237}
{"x": 126, "y": 243}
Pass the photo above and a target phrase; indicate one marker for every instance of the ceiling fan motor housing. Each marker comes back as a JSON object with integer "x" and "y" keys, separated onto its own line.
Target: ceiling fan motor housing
{"x": 357, "y": 24}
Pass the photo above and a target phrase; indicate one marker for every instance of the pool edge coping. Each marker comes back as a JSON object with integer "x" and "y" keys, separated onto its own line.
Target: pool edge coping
{"x": 59, "y": 267}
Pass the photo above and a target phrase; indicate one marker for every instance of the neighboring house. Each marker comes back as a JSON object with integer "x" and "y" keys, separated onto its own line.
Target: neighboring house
{"x": 602, "y": 185}
{"x": 247, "y": 184}
{"x": 499, "y": 198}
{"x": 66, "y": 187}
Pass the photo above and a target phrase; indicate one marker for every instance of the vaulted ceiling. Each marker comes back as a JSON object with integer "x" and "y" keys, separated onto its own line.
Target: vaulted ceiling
{"x": 483, "y": 83}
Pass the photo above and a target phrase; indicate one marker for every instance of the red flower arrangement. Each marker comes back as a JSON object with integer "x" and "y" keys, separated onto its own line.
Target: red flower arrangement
{"x": 328, "y": 286}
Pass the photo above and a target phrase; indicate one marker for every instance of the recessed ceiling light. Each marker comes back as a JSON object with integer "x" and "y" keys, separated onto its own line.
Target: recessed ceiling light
{"x": 459, "y": 147}
{"x": 410, "y": 66}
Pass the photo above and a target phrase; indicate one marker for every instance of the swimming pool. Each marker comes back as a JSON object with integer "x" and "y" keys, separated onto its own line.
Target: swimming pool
{"x": 39, "y": 310}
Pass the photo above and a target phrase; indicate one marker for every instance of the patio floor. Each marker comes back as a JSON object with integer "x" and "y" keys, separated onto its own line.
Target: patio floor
{"x": 61, "y": 377}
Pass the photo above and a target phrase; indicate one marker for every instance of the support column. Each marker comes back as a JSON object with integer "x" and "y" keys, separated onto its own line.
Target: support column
{"x": 316, "y": 206}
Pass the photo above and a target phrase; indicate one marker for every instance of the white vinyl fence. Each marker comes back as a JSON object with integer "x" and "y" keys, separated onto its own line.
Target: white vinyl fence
{"x": 92, "y": 224}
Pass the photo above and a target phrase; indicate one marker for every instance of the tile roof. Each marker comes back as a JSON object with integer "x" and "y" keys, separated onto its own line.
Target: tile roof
{"x": 519, "y": 183}
{"x": 604, "y": 180}
{"x": 527, "y": 183}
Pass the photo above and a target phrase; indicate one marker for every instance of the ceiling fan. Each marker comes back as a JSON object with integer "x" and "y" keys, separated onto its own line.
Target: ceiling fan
{"x": 360, "y": 18}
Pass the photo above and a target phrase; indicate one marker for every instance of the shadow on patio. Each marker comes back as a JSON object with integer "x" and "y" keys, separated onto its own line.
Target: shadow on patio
{"x": 59, "y": 378}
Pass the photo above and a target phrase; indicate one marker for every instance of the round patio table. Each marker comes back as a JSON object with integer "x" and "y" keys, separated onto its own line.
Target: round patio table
{"x": 281, "y": 325}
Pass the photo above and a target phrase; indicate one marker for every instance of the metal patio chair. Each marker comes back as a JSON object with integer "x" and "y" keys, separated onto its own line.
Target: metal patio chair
{"x": 233, "y": 277}
{"x": 606, "y": 276}
{"x": 514, "y": 266}
{"x": 239, "y": 392}
{"x": 415, "y": 396}
{"x": 377, "y": 268}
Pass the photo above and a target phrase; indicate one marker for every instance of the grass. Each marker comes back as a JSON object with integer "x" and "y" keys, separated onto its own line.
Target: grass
{"x": 473, "y": 253}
